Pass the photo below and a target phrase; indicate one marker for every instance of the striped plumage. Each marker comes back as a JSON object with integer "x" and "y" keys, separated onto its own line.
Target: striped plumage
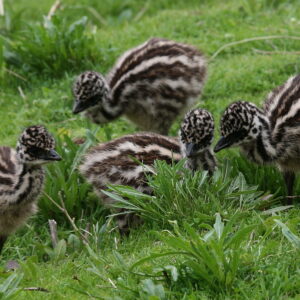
{"x": 111, "y": 162}
{"x": 22, "y": 177}
{"x": 268, "y": 135}
{"x": 150, "y": 84}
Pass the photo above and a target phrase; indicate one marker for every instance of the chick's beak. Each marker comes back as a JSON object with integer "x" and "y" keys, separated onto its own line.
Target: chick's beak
{"x": 78, "y": 107}
{"x": 190, "y": 149}
{"x": 52, "y": 155}
{"x": 224, "y": 142}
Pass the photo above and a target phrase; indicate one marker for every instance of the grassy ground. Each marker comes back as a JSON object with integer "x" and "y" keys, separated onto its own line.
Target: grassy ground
{"x": 247, "y": 252}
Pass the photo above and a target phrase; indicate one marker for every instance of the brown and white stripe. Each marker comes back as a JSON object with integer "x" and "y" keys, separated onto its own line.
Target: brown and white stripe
{"x": 271, "y": 135}
{"x": 112, "y": 163}
{"x": 19, "y": 187}
{"x": 22, "y": 177}
{"x": 151, "y": 85}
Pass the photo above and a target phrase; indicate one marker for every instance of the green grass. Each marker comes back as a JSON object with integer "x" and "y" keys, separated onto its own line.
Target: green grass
{"x": 218, "y": 238}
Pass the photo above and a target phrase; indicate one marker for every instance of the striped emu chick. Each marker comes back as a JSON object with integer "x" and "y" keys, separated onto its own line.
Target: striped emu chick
{"x": 22, "y": 177}
{"x": 268, "y": 135}
{"x": 151, "y": 85}
{"x": 112, "y": 163}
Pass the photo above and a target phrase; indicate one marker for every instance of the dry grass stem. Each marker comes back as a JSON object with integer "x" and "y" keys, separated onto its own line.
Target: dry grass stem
{"x": 65, "y": 212}
{"x": 1, "y": 7}
{"x": 87, "y": 230}
{"x": 141, "y": 12}
{"x": 93, "y": 11}
{"x": 53, "y": 9}
{"x": 293, "y": 197}
{"x": 36, "y": 289}
{"x": 15, "y": 74}
{"x": 259, "y": 38}
{"x": 259, "y": 51}
{"x": 23, "y": 96}
{"x": 112, "y": 283}
{"x": 53, "y": 232}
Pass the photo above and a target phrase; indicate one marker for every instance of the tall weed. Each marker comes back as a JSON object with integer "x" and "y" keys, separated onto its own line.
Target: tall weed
{"x": 214, "y": 258}
{"x": 53, "y": 47}
{"x": 179, "y": 194}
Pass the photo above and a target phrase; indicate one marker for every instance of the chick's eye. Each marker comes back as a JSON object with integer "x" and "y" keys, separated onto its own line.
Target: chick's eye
{"x": 35, "y": 151}
{"x": 93, "y": 99}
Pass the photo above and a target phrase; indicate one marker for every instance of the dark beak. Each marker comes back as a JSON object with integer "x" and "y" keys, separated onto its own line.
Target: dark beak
{"x": 52, "y": 155}
{"x": 191, "y": 149}
{"x": 224, "y": 142}
{"x": 79, "y": 107}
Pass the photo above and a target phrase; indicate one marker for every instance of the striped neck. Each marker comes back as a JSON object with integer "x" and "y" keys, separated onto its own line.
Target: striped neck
{"x": 112, "y": 107}
{"x": 262, "y": 149}
{"x": 28, "y": 184}
{"x": 105, "y": 110}
{"x": 205, "y": 160}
